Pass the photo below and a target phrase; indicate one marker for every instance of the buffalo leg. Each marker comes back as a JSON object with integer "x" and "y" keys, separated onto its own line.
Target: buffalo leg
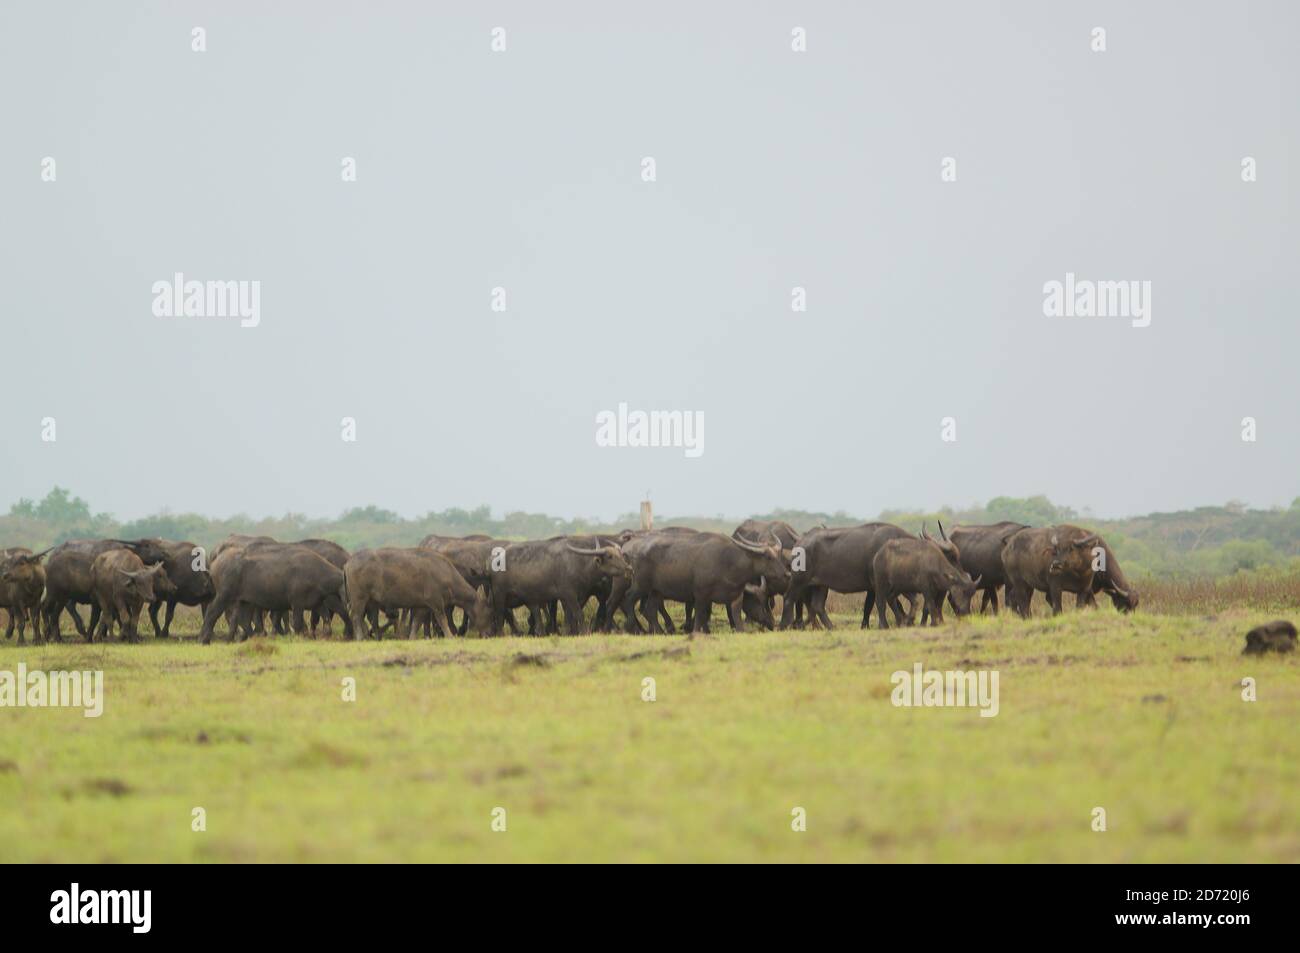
{"x": 651, "y": 608}
{"x": 76, "y": 617}
{"x": 441, "y": 616}
{"x": 817, "y": 608}
{"x": 790, "y": 603}
{"x": 734, "y": 615}
{"x": 668, "y": 620}
{"x": 573, "y": 617}
{"x": 867, "y": 603}
{"x": 1054, "y": 597}
{"x": 703, "y": 609}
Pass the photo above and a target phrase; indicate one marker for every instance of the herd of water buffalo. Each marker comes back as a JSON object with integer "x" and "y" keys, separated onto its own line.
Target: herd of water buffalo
{"x": 259, "y": 584}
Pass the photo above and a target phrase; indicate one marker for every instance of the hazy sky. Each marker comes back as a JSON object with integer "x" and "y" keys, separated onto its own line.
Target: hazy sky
{"x": 522, "y": 169}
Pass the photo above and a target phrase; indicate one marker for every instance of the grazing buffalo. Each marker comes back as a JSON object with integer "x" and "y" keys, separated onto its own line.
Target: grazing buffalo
{"x": 22, "y": 582}
{"x": 980, "y": 554}
{"x": 274, "y": 578}
{"x": 190, "y": 586}
{"x": 762, "y": 531}
{"x": 1108, "y": 578}
{"x": 561, "y": 570}
{"x": 67, "y": 578}
{"x": 1060, "y": 559}
{"x": 410, "y": 579}
{"x": 907, "y": 566}
{"x": 838, "y": 559}
{"x": 700, "y": 569}
{"x": 122, "y": 585}
{"x": 472, "y": 557}
{"x": 756, "y": 605}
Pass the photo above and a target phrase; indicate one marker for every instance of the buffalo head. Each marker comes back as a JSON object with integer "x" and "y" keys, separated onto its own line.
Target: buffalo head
{"x": 1072, "y": 557}
{"x": 770, "y": 562}
{"x": 609, "y": 559}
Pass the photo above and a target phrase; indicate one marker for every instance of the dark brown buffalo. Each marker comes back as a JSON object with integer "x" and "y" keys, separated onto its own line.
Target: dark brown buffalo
{"x": 472, "y": 557}
{"x": 980, "y": 549}
{"x": 67, "y": 578}
{"x": 333, "y": 553}
{"x": 763, "y": 531}
{"x": 701, "y": 569}
{"x": 190, "y": 586}
{"x": 1276, "y": 636}
{"x": 221, "y": 559}
{"x": 906, "y": 566}
{"x": 237, "y": 542}
{"x": 539, "y": 572}
{"x": 22, "y": 583}
{"x": 395, "y": 579}
{"x": 1060, "y": 559}
{"x": 122, "y": 585}
{"x": 266, "y": 578}
{"x": 1110, "y": 580}
{"x": 838, "y": 559}
{"x": 634, "y": 544}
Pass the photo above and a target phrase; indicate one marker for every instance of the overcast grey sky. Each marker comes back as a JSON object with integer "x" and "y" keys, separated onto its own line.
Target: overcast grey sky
{"x": 522, "y": 169}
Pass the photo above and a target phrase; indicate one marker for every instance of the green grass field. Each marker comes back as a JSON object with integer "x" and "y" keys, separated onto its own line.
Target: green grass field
{"x": 1142, "y": 716}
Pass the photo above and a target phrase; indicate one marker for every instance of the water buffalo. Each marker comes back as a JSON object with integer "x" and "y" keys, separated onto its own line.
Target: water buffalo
{"x": 190, "y": 586}
{"x": 762, "y": 531}
{"x": 635, "y": 544}
{"x": 472, "y": 557}
{"x": 22, "y": 582}
{"x": 122, "y": 584}
{"x": 333, "y": 553}
{"x": 236, "y": 543}
{"x": 700, "y": 569}
{"x": 395, "y": 579}
{"x": 67, "y": 578}
{"x": 906, "y": 566}
{"x": 1060, "y": 559}
{"x": 267, "y": 578}
{"x": 980, "y": 549}
{"x": 538, "y": 572}
{"x": 838, "y": 559}
{"x": 1111, "y": 580}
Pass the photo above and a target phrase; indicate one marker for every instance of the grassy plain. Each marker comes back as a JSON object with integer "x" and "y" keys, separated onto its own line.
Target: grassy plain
{"x": 1141, "y": 715}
